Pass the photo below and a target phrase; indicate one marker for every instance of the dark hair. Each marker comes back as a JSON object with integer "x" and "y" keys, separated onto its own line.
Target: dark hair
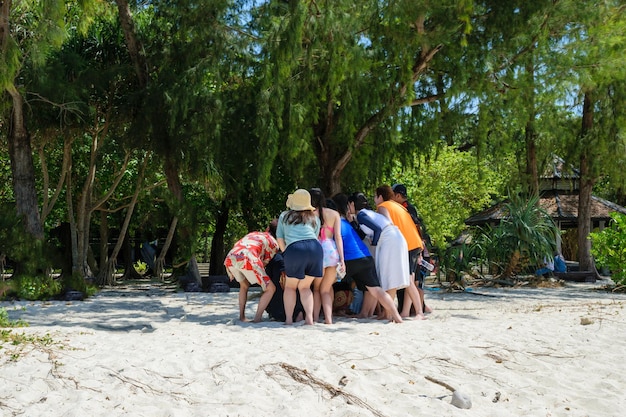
{"x": 331, "y": 204}
{"x": 318, "y": 201}
{"x": 359, "y": 200}
{"x": 385, "y": 192}
{"x": 297, "y": 217}
{"x": 272, "y": 227}
{"x": 341, "y": 201}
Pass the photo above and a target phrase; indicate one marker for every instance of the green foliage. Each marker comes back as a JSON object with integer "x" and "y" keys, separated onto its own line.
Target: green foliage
{"x": 141, "y": 267}
{"x": 249, "y": 100}
{"x": 448, "y": 188}
{"x": 26, "y": 251}
{"x": 456, "y": 260}
{"x": 36, "y": 288}
{"x": 74, "y": 282}
{"x": 609, "y": 247}
{"x": 525, "y": 236}
{"x": 6, "y": 322}
{"x": 16, "y": 344}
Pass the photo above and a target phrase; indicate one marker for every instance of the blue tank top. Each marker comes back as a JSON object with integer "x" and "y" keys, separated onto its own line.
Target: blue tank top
{"x": 353, "y": 246}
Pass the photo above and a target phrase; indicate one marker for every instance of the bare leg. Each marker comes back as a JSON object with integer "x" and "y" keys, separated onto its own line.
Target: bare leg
{"x": 385, "y": 314}
{"x": 243, "y": 297}
{"x": 369, "y": 305}
{"x": 424, "y": 308}
{"x": 317, "y": 299}
{"x": 427, "y": 309}
{"x": 412, "y": 296}
{"x": 265, "y": 299}
{"x": 306, "y": 296}
{"x": 387, "y": 303}
{"x": 289, "y": 298}
{"x": 327, "y": 293}
{"x": 406, "y": 302}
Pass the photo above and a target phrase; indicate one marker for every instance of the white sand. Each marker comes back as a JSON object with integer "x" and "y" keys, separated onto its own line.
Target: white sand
{"x": 530, "y": 352}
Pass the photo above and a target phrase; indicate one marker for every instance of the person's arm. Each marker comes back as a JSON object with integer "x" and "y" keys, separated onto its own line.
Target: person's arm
{"x": 280, "y": 233}
{"x": 337, "y": 234}
{"x": 383, "y": 210}
{"x": 366, "y": 220}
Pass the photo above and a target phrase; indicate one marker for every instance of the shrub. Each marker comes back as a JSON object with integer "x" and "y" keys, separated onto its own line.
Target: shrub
{"x": 525, "y": 236}
{"x": 36, "y": 288}
{"x": 141, "y": 267}
{"x": 6, "y": 322}
{"x": 609, "y": 247}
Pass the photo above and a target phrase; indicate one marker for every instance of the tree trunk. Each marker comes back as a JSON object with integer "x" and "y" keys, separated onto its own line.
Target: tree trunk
{"x": 106, "y": 275}
{"x": 175, "y": 187}
{"x": 22, "y": 167}
{"x": 532, "y": 176}
{"x": 84, "y": 210}
{"x": 132, "y": 42}
{"x": 49, "y": 202}
{"x": 218, "y": 253}
{"x": 20, "y": 152}
{"x": 586, "y": 188}
{"x": 71, "y": 219}
{"x": 531, "y": 160}
{"x": 160, "y": 261}
{"x": 130, "y": 273}
{"x": 584, "y": 221}
{"x": 104, "y": 239}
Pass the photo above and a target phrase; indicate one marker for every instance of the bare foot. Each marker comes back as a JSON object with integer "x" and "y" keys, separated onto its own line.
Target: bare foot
{"x": 427, "y": 309}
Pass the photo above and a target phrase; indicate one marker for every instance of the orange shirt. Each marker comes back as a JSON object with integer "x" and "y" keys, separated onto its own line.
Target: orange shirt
{"x": 401, "y": 218}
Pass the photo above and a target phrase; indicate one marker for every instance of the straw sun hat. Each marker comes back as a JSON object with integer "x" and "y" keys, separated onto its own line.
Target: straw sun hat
{"x": 300, "y": 200}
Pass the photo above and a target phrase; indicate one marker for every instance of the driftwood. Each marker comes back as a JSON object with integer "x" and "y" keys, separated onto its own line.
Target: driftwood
{"x": 305, "y": 377}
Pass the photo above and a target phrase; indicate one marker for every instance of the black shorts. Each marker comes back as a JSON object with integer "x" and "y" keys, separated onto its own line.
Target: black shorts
{"x": 414, "y": 256}
{"x": 419, "y": 279}
{"x": 363, "y": 272}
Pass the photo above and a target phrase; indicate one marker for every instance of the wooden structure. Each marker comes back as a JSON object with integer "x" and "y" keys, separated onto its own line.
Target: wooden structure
{"x": 559, "y": 197}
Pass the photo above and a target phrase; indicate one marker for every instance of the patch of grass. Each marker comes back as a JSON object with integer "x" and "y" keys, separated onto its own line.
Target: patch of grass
{"x": 13, "y": 345}
{"x": 6, "y": 322}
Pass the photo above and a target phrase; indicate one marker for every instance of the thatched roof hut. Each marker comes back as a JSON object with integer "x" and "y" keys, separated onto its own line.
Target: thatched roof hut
{"x": 563, "y": 208}
{"x": 559, "y": 197}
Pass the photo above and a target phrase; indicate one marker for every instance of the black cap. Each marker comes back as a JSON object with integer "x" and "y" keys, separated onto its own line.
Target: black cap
{"x": 399, "y": 189}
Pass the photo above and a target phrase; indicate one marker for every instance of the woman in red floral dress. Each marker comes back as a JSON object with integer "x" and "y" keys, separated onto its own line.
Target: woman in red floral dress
{"x": 246, "y": 263}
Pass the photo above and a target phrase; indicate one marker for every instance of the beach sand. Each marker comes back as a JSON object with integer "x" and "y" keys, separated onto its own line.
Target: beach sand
{"x": 147, "y": 351}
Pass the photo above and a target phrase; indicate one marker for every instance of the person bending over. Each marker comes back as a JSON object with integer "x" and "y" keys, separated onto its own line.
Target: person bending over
{"x": 246, "y": 263}
{"x": 297, "y": 232}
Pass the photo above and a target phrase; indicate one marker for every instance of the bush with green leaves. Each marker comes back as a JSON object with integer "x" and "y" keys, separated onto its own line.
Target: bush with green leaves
{"x": 6, "y": 322}
{"x": 28, "y": 253}
{"x": 36, "y": 287}
{"x": 448, "y": 188}
{"x": 609, "y": 247}
{"x": 525, "y": 236}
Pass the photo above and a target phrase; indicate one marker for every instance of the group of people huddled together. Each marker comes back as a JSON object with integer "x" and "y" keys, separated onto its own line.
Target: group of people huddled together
{"x": 317, "y": 242}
